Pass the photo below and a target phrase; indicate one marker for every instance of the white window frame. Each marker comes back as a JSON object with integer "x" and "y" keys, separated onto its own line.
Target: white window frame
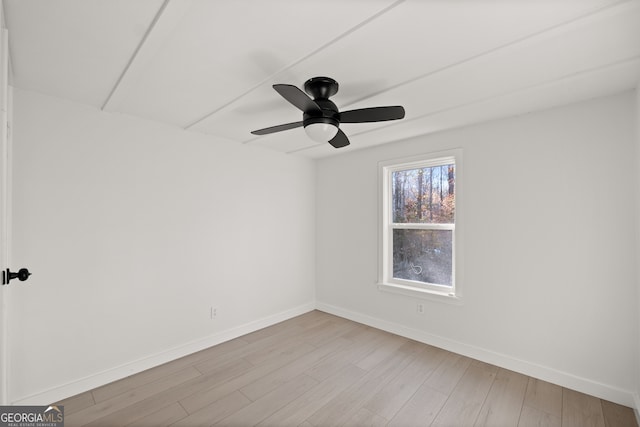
{"x": 386, "y": 281}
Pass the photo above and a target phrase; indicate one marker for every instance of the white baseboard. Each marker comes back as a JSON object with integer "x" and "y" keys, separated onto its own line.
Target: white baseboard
{"x": 564, "y": 379}
{"x": 636, "y": 408}
{"x": 98, "y": 379}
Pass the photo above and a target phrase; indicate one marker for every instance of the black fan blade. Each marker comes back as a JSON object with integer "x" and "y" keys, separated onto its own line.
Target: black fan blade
{"x": 340, "y": 140}
{"x": 298, "y": 98}
{"x": 374, "y": 114}
{"x": 278, "y": 128}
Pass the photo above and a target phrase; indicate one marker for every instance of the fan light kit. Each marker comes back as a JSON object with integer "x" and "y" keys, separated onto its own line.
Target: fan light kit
{"x": 321, "y": 132}
{"x": 321, "y": 118}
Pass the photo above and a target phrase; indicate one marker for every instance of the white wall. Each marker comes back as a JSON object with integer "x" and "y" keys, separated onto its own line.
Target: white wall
{"x": 548, "y": 236}
{"x": 132, "y": 230}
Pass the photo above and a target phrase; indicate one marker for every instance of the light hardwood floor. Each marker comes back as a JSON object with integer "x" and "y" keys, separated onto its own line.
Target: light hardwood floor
{"x": 322, "y": 370}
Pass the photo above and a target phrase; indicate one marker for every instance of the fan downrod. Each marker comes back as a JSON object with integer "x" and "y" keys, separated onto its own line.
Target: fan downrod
{"x": 321, "y": 87}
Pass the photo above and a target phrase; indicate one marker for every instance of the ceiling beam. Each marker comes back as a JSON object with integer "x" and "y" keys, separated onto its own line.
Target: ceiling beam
{"x": 630, "y": 64}
{"x": 599, "y": 12}
{"x": 551, "y": 31}
{"x": 159, "y": 30}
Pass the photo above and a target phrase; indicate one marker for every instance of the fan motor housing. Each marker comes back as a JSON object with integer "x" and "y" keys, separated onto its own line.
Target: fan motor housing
{"x": 329, "y": 114}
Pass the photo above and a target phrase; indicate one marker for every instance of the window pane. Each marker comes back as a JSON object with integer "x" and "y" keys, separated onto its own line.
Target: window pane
{"x": 424, "y": 195}
{"x": 423, "y": 256}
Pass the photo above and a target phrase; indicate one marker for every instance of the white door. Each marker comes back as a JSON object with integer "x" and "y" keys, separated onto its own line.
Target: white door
{"x": 5, "y": 211}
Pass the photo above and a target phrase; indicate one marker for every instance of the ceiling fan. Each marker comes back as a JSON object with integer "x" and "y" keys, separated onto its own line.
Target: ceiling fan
{"x": 321, "y": 118}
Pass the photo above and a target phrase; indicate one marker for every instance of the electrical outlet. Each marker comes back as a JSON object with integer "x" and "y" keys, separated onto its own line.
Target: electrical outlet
{"x": 420, "y": 308}
{"x": 213, "y": 312}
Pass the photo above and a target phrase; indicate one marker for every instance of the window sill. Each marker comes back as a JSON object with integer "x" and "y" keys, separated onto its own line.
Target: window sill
{"x": 420, "y": 293}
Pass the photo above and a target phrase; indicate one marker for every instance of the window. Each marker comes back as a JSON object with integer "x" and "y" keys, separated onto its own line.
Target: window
{"x": 418, "y": 230}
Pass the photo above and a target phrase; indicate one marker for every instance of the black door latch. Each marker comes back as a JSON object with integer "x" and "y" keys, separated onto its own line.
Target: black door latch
{"x": 22, "y": 275}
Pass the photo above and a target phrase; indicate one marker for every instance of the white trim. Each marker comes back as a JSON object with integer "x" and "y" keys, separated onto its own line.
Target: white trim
{"x": 637, "y": 194}
{"x": 385, "y": 226}
{"x": 545, "y": 373}
{"x": 98, "y": 379}
{"x": 415, "y": 292}
{"x": 5, "y": 214}
{"x": 426, "y": 160}
{"x": 8, "y": 235}
{"x": 108, "y": 104}
{"x": 421, "y": 226}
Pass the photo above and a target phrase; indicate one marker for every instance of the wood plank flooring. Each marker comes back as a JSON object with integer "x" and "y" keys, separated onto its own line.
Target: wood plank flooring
{"x": 322, "y": 370}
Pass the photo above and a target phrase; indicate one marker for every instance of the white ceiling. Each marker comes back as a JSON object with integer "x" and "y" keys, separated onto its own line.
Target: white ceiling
{"x": 208, "y": 65}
